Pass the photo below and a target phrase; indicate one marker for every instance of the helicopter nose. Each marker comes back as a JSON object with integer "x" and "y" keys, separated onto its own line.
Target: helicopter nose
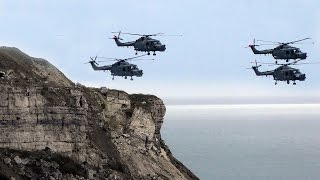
{"x": 163, "y": 48}
{"x": 302, "y": 77}
{"x": 139, "y": 73}
{"x": 303, "y": 55}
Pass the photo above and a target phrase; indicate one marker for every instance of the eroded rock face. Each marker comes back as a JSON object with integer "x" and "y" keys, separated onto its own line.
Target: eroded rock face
{"x": 108, "y": 133}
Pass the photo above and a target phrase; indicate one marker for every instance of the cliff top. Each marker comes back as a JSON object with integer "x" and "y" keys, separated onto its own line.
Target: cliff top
{"x": 22, "y": 69}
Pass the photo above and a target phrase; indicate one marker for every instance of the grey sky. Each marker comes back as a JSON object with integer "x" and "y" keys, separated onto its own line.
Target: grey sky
{"x": 208, "y": 61}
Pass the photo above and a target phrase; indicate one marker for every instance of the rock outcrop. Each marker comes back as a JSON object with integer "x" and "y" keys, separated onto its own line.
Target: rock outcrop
{"x": 52, "y": 128}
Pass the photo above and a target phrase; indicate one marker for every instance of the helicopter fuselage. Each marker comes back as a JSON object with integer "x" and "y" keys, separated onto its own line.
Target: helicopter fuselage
{"x": 286, "y": 73}
{"x": 124, "y": 69}
{"x": 284, "y": 52}
{"x": 282, "y": 73}
{"x": 147, "y": 44}
{"x": 143, "y": 44}
{"x": 288, "y": 52}
{"x": 120, "y": 68}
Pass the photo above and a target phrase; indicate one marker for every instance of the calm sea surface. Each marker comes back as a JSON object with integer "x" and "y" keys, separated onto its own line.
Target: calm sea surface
{"x": 244, "y": 142}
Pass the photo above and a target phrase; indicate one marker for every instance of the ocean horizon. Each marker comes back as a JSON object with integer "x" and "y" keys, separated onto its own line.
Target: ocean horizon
{"x": 246, "y": 141}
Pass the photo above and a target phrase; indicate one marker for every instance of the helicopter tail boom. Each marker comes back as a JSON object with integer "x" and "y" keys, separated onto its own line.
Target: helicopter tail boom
{"x": 119, "y": 43}
{"x": 265, "y": 73}
{"x": 97, "y": 68}
{"x": 255, "y": 51}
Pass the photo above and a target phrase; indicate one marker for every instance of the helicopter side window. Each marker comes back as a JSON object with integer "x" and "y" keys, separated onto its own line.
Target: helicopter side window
{"x": 123, "y": 69}
{"x": 147, "y": 43}
{"x": 286, "y": 73}
{"x": 287, "y": 52}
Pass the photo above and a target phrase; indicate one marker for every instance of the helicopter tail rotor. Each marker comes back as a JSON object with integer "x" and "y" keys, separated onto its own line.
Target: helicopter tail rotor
{"x": 252, "y": 45}
{"x": 93, "y": 60}
{"x": 256, "y": 63}
{"x": 116, "y": 37}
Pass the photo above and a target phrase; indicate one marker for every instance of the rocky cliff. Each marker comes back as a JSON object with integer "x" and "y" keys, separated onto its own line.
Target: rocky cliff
{"x": 52, "y": 128}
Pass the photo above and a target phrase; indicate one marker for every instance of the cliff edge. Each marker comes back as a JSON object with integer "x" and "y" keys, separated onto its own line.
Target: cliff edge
{"x": 52, "y": 128}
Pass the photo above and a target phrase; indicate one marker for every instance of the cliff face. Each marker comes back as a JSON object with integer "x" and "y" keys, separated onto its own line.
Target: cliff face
{"x": 52, "y": 128}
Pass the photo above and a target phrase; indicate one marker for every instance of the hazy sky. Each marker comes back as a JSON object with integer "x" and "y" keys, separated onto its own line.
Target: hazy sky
{"x": 208, "y": 61}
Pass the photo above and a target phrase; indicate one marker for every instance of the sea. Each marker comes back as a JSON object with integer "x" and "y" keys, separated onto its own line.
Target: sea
{"x": 246, "y": 141}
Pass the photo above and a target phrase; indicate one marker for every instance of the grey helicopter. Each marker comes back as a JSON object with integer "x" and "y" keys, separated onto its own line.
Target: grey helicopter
{"x": 120, "y": 68}
{"x": 144, "y": 44}
{"x": 282, "y": 73}
{"x": 283, "y": 51}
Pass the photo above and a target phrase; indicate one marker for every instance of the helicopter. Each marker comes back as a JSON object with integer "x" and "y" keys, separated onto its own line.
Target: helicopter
{"x": 120, "y": 68}
{"x": 145, "y": 43}
{"x": 283, "y": 51}
{"x": 282, "y": 73}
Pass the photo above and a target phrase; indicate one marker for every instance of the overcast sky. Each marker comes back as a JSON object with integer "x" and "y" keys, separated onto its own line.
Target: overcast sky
{"x": 208, "y": 61}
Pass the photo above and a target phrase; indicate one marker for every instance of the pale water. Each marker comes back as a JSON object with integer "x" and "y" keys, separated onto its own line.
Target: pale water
{"x": 244, "y": 142}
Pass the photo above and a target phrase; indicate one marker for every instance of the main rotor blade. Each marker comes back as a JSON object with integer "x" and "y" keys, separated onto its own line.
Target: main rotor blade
{"x": 269, "y": 41}
{"x": 135, "y": 57}
{"x": 106, "y": 58}
{"x": 134, "y": 34}
{"x": 265, "y": 44}
{"x": 141, "y": 60}
{"x": 254, "y": 62}
{"x": 127, "y": 60}
{"x": 169, "y": 35}
{"x": 307, "y": 63}
{"x": 297, "y": 41}
{"x": 305, "y": 43}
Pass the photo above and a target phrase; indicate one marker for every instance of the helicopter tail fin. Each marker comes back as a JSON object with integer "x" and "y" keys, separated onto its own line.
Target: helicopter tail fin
{"x": 94, "y": 66}
{"x": 256, "y": 70}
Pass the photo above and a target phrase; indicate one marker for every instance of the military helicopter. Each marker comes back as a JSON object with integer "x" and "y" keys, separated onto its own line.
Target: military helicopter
{"x": 282, "y": 73}
{"x": 145, "y": 43}
{"x": 283, "y": 51}
{"x": 120, "y": 68}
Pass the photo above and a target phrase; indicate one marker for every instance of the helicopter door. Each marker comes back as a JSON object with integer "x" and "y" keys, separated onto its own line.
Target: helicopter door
{"x": 286, "y": 74}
